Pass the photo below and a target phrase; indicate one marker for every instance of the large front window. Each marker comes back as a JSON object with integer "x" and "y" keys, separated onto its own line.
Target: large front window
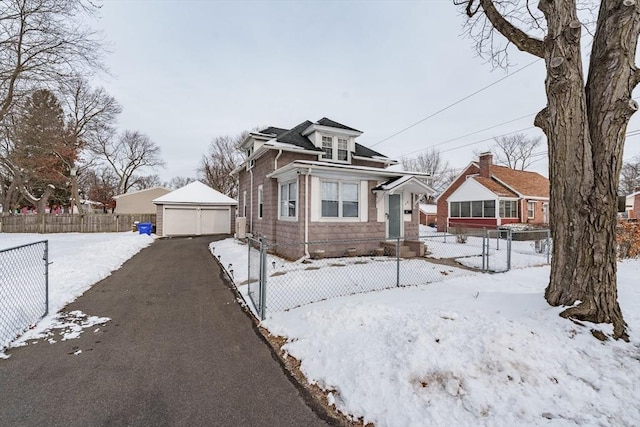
{"x": 508, "y": 209}
{"x": 339, "y": 199}
{"x": 474, "y": 209}
{"x": 288, "y": 199}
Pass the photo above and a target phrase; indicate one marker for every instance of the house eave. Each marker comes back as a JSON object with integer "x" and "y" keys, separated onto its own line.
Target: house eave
{"x": 304, "y": 165}
{"x": 327, "y": 129}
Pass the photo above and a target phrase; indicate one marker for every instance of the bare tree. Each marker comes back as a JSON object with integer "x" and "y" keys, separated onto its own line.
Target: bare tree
{"x": 630, "y": 176}
{"x": 145, "y": 182}
{"x": 585, "y": 124}
{"x": 222, "y": 158}
{"x": 179, "y": 182}
{"x": 515, "y": 151}
{"x": 128, "y": 155}
{"x": 431, "y": 162}
{"x": 91, "y": 113}
{"x": 99, "y": 184}
{"x": 43, "y": 42}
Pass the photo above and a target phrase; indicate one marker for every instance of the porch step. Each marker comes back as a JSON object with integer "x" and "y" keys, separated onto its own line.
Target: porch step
{"x": 390, "y": 250}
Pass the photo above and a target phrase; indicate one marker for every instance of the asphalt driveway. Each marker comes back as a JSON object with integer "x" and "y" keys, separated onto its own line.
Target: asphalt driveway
{"x": 179, "y": 351}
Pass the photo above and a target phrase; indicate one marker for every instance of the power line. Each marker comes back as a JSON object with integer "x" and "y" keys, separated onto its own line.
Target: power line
{"x": 455, "y": 103}
{"x": 464, "y": 136}
{"x": 486, "y": 139}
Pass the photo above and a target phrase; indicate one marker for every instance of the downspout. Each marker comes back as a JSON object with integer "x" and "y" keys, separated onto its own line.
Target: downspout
{"x": 251, "y": 202}
{"x": 306, "y": 212}
{"x": 275, "y": 161}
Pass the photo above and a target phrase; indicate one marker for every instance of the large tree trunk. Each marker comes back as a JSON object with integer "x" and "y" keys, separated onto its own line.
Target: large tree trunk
{"x": 585, "y": 127}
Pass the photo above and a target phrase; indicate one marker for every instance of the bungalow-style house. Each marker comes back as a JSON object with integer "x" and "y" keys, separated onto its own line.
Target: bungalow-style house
{"x": 632, "y": 205}
{"x": 314, "y": 182}
{"x": 488, "y": 195}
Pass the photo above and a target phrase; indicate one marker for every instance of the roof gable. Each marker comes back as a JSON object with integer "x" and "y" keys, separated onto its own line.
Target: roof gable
{"x": 330, "y": 123}
{"x": 195, "y": 193}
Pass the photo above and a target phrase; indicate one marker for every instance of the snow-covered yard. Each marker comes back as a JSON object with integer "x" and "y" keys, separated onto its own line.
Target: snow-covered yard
{"x": 479, "y": 349}
{"x": 77, "y": 262}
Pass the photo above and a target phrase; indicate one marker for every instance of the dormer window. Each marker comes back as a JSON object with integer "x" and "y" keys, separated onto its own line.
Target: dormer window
{"x": 335, "y": 148}
{"x": 327, "y": 147}
{"x": 343, "y": 149}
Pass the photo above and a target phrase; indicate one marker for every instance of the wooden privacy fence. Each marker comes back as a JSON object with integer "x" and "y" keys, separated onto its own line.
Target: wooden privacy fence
{"x": 72, "y": 223}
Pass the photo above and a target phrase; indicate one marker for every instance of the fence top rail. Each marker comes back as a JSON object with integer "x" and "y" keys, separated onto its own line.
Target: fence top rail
{"x": 23, "y": 246}
{"x": 338, "y": 241}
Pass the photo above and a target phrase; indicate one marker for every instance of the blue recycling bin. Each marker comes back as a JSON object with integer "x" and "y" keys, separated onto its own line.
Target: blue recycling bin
{"x": 144, "y": 228}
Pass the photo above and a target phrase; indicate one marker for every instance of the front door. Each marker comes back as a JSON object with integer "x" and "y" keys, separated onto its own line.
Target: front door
{"x": 394, "y": 216}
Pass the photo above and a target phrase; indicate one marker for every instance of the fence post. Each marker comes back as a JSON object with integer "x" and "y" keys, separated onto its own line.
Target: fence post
{"x": 398, "y": 261}
{"x": 249, "y": 266}
{"x": 263, "y": 278}
{"x": 498, "y": 240}
{"x": 548, "y": 245}
{"x": 46, "y": 277}
{"x": 509, "y": 238}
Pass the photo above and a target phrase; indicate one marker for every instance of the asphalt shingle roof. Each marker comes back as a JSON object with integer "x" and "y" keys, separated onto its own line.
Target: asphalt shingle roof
{"x": 328, "y": 122}
{"x": 294, "y": 136}
{"x": 524, "y": 182}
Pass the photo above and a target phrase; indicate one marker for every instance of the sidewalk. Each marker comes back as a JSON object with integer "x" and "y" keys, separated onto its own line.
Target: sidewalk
{"x": 179, "y": 351}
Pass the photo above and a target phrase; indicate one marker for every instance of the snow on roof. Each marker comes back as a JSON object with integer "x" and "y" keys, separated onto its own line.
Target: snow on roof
{"x": 145, "y": 190}
{"x": 195, "y": 193}
{"x": 428, "y": 208}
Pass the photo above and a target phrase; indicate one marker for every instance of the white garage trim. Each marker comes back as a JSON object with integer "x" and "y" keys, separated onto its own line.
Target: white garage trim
{"x": 196, "y": 220}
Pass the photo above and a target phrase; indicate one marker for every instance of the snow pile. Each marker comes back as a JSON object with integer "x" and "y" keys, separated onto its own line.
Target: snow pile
{"x": 485, "y": 350}
{"x": 77, "y": 262}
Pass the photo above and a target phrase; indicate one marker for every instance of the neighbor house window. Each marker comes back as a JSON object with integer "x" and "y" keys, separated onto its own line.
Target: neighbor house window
{"x": 343, "y": 149}
{"x": 339, "y": 199}
{"x": 508, "y": 209}
{"x": 531, "y": 210}
{"x": 260, "y": 201}
{"x": 475, "y": 209}
{"x": 288, "y": 199}
{"x": 327, "y": 147}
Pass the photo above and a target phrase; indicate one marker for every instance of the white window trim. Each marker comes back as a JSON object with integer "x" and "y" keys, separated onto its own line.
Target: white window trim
{"x": 244, "y": 204}
{"x": 288, "y": 218}
{"x": 334, "y": 148}
{"x": 260, "y": 201}
{"x": 533, "y": 210}
{"x": 340, "y": 218}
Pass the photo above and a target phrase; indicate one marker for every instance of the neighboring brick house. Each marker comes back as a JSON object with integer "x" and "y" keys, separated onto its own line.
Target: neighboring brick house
{"x": 632, "y": 205}
{"x": 314, "y": 182}
{"x": 487, "y": 195}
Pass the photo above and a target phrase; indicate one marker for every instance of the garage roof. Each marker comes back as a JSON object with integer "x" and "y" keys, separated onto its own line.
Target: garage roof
{"x": 195, "y": 193}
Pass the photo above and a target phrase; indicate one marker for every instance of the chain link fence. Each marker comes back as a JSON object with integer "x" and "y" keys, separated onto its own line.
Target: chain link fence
{"x": 337, "y": 268}
{"x": 24, "y": 288}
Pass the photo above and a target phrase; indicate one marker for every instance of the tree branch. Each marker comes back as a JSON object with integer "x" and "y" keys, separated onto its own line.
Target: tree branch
{"x": 515, "y": 35}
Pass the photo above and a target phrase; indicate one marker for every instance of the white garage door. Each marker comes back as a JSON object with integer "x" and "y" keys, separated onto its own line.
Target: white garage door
{"x": 215, "y": 221}
{"x": 196, "y": 220}
{"x": 178, "y": 222}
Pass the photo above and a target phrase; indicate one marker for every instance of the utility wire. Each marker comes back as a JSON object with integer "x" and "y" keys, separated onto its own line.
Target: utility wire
{"x": 456, "y": 103}
{"x": 464, "y": 136}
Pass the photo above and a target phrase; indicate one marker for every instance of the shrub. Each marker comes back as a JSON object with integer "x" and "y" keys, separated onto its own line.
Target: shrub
{"x": 628, "y": 238}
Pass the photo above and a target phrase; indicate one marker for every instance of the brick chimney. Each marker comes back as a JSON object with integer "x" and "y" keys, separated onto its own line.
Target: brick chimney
{"x": 486, "y": 160}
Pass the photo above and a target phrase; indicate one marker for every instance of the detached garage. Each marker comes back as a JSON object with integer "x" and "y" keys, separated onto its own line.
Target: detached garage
{"x": 193, "y": 210}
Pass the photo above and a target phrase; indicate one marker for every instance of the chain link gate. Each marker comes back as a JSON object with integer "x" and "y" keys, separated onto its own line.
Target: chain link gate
{"x": 24, "y": 288}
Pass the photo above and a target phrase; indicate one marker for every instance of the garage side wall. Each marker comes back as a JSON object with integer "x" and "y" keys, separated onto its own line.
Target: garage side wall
{"x": 159, "y": 220}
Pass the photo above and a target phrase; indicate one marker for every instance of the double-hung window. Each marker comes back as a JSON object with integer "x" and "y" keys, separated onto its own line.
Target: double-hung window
{"x": 340, "y": 199}
{"x": 508, "y": 209}
{"x": 288, "y": 199}
{"x": 327, "y": 147}
{"x": 531, "y": 210}
{"x": 343, "y": 149}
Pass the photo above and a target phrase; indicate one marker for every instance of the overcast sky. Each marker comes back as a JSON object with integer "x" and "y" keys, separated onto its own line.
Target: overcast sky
{"x": 187, "y": 71}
